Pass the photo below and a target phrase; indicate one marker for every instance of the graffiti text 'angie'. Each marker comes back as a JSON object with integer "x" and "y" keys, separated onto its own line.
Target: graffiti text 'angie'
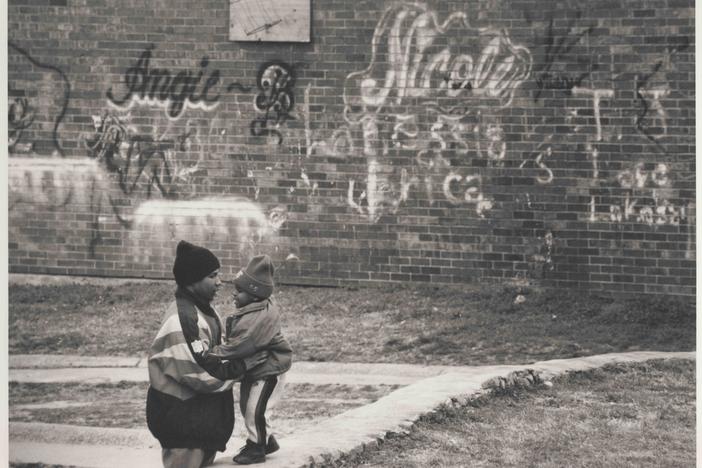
{"x": 175, "y": 92}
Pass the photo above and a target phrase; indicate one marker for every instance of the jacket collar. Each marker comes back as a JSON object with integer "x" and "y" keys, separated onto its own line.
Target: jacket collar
{"x": 253, "y": 307}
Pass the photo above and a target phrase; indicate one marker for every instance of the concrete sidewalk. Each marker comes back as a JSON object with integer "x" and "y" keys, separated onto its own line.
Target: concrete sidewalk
{"x": 425, "y": 388}
{"x": 42, "y": 368}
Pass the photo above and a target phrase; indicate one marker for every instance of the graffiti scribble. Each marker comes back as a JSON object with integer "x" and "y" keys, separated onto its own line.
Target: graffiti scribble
{"x": 275, "y": 99}
{"x": 20, "y": 117}
{"x": 66, "y": 96}
{"x": 650, "y": 93}
{"x": 133, "y": 157}
{"x": 556, "y": 49}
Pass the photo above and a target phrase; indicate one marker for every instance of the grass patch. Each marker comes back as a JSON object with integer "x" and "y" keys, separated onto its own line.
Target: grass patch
{"x": 639, "y": 415}
{"x": 467, "y": 325}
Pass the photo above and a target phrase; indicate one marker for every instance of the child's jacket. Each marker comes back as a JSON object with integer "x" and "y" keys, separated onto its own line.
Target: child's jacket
{"x": 256, "y": 327}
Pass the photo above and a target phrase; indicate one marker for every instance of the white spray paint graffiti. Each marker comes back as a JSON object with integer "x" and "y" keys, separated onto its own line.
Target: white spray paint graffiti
{"x": 420, "y": 68}
{"x": 538, "y": 162}
{"x": 594, "y": 154}
{"x": 340, "y": 143}
{"x": 597, "y": 95}
{"x": 543, "y": 150}
{"x": 654, "y": 96}
{"x": 225, "y": 219}
{"x": 53, "y": 182}
{"x": 380, "y": 195}
{"x": 417, "y": 65}
{"x": 493, "y": 135}
{"x": 651, "y": 88}
{"x": 640, "y": 193}
{"x": 646, "y": 198}
{"x": 647, "y": 192}
{"x": 146, "y": 101}
{"x": 405, "y": 132}
{"x": 471, "y": 195}
{"x": 58, "y": 183}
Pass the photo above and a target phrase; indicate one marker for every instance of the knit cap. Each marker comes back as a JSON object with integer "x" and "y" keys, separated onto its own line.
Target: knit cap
{"x": 193, "y": 263}
{"x": 257, "y": 277}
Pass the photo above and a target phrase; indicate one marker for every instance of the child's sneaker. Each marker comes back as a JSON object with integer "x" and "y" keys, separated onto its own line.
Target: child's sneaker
{"x": 251, "y": 453}
{"x": 272, "y": 445}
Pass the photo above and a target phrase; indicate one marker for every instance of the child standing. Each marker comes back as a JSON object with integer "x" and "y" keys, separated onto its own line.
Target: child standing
{"x": 255, "y": 326}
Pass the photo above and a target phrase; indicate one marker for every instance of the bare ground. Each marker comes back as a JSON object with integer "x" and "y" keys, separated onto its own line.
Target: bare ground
{"x": 471, "y": 325}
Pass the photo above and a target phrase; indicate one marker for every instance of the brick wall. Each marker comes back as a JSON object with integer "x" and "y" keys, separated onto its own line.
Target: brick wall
{"x": 446, "y": 142}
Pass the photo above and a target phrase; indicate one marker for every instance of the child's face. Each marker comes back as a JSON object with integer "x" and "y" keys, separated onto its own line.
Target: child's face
{"x": 243, "y": 298}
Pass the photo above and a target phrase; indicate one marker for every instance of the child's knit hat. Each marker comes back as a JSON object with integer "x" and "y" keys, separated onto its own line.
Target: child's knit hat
{"x": 257, "y": 277}
{"x": 193, "y": 263}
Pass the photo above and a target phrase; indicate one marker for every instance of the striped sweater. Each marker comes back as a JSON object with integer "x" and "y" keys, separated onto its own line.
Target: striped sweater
{"x": 189, "y": 403}
{"x": 175, "y": 365}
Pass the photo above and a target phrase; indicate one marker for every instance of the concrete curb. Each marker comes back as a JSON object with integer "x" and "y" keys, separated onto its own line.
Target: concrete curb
{"x": 350, "y": 432}
{"x": 42, "y": 368}
{"x": 62, "y": 361}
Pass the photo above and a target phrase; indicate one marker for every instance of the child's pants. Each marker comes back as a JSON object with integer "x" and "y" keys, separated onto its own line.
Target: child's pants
{"x": 256, "y": 401}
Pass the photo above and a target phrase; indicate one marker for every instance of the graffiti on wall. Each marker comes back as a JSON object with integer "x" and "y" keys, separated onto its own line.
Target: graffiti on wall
{"x": 557, "y": 48}
{"x": 339, "y": 145}
{"x": 596, "y": 95}
{"x": 275, "y": 99}
{"x": 645, "y": 195}
{"x": 458, "y": 90}
{"x": 211, "y": 219}
{"x": 25, "y": 105}
{"x": 537, "y": 161}
{"x": 420, "y": 65}
{"x": 174, "y": 92}
{"x": 140, "y": 162}
{"x": 651, "y": 89}
{"x": 56, "y": 185}
{"x": 423, "y": 117}
{"x": 53, "y": 184}
{"x": 642, "y": 192}
{"x": 20, "y": 118}
{"x": 133, "y": 167}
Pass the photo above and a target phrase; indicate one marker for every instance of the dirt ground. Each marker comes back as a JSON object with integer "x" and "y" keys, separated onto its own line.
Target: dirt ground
{"x": 468, "y": 325}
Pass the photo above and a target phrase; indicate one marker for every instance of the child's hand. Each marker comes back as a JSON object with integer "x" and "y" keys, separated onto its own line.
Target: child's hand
{"x": 255, "y": 360}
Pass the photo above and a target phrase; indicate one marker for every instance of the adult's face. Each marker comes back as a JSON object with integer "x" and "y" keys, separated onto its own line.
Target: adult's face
{"x": 207, "y": 287}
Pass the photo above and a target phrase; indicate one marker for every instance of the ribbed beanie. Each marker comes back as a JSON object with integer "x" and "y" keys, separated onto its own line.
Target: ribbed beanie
{"x": 193, "y": 263}
{"x": 257, "y": 277}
